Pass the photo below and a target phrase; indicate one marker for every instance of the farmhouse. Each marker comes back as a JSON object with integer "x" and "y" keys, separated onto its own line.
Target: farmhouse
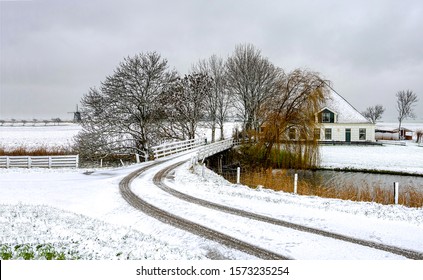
{"x": 340, "y": 122}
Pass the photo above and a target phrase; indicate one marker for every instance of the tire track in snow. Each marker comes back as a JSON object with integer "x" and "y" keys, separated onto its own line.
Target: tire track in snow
{"x": 197, "y": 229}
{"x": 161, "y": 175}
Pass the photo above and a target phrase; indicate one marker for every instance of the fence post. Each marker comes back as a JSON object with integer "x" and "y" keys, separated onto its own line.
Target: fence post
{"x": 49, "y": 162}
{"x": 238, "y": 175}
{"x": 7, "y": 162}
{"x": 29, "y": 161}
{"x": 220, "y": 165}
{"x": 295, "y": 183}
{"x": 101, "y": 163}
{"x": 396, "y": 192}
{"x": 137, "y": 158}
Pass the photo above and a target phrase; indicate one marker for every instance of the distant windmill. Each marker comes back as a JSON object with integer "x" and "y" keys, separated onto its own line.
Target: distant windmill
{"x": 76, "y": 115}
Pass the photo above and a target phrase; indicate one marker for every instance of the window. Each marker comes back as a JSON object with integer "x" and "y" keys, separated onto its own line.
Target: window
{"x": 326, "y": 117}
{"x": 317, "y": 133}
{"x": 292, "y": 134}
{"x": 362, "y": 134}
{"x": 328, "y": 133}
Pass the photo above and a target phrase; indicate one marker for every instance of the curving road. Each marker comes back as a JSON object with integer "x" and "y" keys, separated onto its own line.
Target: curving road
{"x": 187, "y": 225}
{"x": 225, "y": 239}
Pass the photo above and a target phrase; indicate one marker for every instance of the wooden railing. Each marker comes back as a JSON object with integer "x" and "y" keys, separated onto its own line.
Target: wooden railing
{"x": 176, "y": 147}
{"x": 39, "y": 161}
{"x": 214, "y": 148}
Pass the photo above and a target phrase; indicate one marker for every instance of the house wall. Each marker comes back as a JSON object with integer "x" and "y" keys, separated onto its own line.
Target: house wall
{"x": 338, "y": 131}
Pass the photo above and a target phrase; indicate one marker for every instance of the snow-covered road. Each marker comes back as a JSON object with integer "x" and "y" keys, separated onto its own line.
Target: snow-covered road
{"x": 285, "y": 241}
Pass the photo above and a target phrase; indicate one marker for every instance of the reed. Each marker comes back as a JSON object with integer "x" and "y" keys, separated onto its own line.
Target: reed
{"x": 36, "y": 151}
{"x": 280, "y": 180}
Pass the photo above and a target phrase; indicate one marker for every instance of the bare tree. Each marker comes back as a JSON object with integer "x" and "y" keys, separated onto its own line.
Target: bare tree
{"x": 217, "y": 101}
{"x": 184, "y": 106}
{"x": 57, "y": 121}
{"x": 406, "y": 100}
{"x": 374, "y": 113}
{"x": 251, "y": 80}
{"x": 123, "y": 113}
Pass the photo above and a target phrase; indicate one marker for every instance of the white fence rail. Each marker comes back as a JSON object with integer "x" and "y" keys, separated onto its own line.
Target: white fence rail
{"x": 176, "y": 147}
{"x": 39, "y": 161}
{"x": 214, "y": 148}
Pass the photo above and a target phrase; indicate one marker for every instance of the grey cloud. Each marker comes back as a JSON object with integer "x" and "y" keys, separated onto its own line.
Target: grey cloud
{"x": 53, "y": 51}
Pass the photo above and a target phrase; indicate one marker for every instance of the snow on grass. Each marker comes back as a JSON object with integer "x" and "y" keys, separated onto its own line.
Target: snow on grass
{"x": 268, "y": 200}
{"x": 76, "y": 236}
{"x": 91, "y": 198}
{"x": 394, "y": 224}
{"x": 12, "y": 137}
{"x": 407, "y": 159}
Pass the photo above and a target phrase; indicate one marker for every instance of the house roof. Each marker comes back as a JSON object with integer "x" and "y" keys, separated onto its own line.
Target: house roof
{"x": 345, "y": 111}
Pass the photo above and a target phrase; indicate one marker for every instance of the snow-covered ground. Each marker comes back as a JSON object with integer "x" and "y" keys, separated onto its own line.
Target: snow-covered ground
{"x": 408, "y": 159}
{"x": 87, "y": 213}
{"x": 83, "y": 210}
{"x": 28, "y": 136}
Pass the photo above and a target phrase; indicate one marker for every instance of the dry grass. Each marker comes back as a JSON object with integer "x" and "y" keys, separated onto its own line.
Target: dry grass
{"x": 282, "y": 181}
{"x": 37, "y": 151}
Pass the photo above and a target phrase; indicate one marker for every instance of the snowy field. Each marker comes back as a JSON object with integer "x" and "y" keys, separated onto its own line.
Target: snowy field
{"x": 408, "y": 159}
{"x": 12, "y": 137}
{"x": 82, "y": 214}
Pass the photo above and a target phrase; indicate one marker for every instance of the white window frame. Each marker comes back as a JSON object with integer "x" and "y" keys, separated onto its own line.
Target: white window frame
{"x": 362, "y": 134}
{"x": 326, "y": 117}
{"x": 328, "y": 132}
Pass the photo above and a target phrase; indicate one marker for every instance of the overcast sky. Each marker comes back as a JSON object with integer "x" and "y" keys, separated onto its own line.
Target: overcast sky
{"x": 52, "y": 52}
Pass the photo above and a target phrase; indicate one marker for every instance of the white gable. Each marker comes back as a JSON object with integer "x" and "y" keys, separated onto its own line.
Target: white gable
{"x": 345, "y": 111}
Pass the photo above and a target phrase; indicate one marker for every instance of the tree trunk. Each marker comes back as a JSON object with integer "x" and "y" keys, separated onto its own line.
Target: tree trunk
{"x": 213, "y": 133}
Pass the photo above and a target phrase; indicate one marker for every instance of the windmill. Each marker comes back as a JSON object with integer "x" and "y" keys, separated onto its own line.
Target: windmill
{"x": 76, "y": 115}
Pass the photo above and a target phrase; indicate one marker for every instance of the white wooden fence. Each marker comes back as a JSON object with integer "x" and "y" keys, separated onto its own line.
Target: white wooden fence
{"x": 214, "y": 148}
{"x": 176, "y": 147}
{"x": 39, "y": 161}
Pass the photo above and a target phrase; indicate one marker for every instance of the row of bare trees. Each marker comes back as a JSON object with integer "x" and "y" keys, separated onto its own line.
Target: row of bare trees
{"x": 12, "y": 122}
{"x": 144, "y": 102}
